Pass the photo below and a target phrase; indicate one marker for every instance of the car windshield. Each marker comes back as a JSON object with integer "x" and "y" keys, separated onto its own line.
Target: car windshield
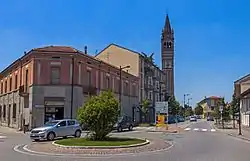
{"x": 120, "y": 119}
{"x": 51, "y": 123}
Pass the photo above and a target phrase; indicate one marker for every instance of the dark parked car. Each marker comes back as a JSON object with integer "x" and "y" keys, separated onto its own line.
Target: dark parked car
{"x": 124, "y": 122}
{"x": 172, "y": 119}
{"x": 180, "y": 118}
{"x": 210, "y": 118}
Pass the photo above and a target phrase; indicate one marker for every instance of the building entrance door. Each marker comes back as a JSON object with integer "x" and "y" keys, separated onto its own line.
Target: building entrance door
{"x": 53, "y": 113}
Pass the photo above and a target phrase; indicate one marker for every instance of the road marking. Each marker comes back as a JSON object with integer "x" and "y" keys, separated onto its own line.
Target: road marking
{"x": 204, "y": 130}
{"x": 213, "y": 130}
{"x": 196, "y": 129}
{"x": 187, "y": 129}
{"x": 2, "y": 137}
{"x": 23, "y": 149}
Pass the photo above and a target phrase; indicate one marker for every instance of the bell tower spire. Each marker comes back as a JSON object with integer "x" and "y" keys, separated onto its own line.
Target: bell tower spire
{"x": 167, "y": 55}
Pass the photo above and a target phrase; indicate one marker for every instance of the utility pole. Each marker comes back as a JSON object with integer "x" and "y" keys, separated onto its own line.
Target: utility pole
{"x": 72, "y": 87}
{"x": 120, "y": 85}
{"x": 238, "y": 104}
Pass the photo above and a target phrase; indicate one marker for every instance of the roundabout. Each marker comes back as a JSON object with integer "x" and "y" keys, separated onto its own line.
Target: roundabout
{"x": 50, "y": 149}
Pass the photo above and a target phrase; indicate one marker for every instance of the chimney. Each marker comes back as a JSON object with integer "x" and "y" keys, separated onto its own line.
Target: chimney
{"x": 85, "y": 50}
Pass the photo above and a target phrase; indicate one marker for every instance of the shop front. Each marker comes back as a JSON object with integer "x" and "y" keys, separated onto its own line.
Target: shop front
{"x": 54, "y": 110}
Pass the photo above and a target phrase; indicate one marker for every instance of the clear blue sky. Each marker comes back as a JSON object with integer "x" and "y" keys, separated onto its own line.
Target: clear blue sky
{"x": 212, "y": 36}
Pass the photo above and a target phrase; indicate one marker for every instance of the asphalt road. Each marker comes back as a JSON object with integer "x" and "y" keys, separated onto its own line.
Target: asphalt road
{"x": 198, "y": 143}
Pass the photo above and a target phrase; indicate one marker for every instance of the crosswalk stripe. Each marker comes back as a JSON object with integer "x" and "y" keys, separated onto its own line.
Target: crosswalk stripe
{"x": 204, "y": 130}
{"x": 187, "y": 129}
{"x": 196, "y": 129}
{"x": 2, "y": 137}
{"x": 213, "y": 130}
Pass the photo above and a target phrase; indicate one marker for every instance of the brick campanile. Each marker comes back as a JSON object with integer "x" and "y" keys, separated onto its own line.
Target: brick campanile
{"x": 167, "y": 55}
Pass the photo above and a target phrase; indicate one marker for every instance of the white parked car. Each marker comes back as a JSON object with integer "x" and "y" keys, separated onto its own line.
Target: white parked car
{"x": 56, "y": 128}
{"x": 192, "y": 118}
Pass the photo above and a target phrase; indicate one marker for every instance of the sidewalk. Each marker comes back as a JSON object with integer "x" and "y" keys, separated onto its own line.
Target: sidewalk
{"x": 235, "y": 132}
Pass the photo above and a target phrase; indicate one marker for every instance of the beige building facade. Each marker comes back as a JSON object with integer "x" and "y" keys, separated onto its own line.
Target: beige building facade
{"x": 242, "y": 90}
{"x": 152, "y": 81}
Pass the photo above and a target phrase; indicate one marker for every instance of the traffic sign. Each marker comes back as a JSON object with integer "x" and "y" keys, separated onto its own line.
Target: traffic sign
{"x": 221, "y": 108}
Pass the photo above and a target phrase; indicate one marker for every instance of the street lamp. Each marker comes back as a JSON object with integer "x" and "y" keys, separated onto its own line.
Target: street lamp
{"x": 120, "y": 86}
{"x": 188, "y": 100}
{"x": 238, "y": 105}
{"x": 185, "y": 99}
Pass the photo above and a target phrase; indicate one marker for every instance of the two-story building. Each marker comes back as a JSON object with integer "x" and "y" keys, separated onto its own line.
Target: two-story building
{"x": 152, "y": 84}
{"x": 209, "y": 104}
{"x": 54, "y": 81}
{"x": 242, "y": 91}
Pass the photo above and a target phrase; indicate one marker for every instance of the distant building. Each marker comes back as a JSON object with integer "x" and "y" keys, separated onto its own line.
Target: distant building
{"x": 39, "y": 85}
{"x": 152, "y": 84}
{"x": 209, "y": 104}
{"x": 242, "y": 90}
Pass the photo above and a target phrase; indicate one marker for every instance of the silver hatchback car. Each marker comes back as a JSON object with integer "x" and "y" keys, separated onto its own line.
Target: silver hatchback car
{"x": 56, "y": 128}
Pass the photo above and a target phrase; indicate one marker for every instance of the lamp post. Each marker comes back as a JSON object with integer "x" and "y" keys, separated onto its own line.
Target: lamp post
{"x": 72, "y": 87}
{"x": 120, "y": 85}
{"x": 188, "y": 101}
{"x": 238, "y": 105}
{"x": 185, "y": 99}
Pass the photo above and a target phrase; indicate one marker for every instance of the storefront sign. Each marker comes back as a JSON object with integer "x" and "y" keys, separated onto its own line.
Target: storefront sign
{"x": 54, "y": 103}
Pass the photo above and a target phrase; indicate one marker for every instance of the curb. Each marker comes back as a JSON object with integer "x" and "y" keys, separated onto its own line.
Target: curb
{"x": 236, "y": 136}
{"x": 102, "y": 147}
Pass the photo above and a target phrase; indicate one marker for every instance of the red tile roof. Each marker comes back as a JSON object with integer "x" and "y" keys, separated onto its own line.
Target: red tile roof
{"x": 66, "y": 49}
{"x": 214, "y": 97}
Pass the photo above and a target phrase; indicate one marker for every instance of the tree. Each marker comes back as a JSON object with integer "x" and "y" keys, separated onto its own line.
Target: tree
{"x": 198, "y": 110}
{"x": 173, "y": 106}
{"x": 188, "y": 111}
{"x": 100, "y": 113}
{"x": 234, "y": 108}
{"x": 145, "y": 109}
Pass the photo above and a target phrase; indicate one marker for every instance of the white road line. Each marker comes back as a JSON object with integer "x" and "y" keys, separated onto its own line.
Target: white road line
{"x": 196, "y": 129}
{"x": 204, "y": 130}
{"x": 213, "y": 130}
{"x": 187, "y": 129}
{"x": 2, "y": 137}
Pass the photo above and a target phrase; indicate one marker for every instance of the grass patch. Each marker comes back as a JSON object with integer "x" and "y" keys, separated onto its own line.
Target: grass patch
{"x": 145, "y": 125}
{"x": 111, "y": 141}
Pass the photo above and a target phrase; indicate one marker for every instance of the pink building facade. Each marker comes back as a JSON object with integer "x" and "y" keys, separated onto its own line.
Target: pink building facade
{"x": 38, "y": 86}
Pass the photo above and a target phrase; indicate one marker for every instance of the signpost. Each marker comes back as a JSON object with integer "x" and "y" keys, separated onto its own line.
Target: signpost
{"x": 221, "y": 110}
{"x": 161, "y": 113}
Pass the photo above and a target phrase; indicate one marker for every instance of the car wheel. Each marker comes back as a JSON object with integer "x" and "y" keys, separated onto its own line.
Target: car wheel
{"x": 130, "y": 128}
{"x": 65, "y": 137}
{"x": 119, "y": 129}
{"x": 51, "y": 136}
{"x": 36, "y": 140}
{"x": 78, "y": 133}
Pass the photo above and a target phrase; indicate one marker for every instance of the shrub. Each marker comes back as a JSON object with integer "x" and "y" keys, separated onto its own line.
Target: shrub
{"x": 99, "y": 114}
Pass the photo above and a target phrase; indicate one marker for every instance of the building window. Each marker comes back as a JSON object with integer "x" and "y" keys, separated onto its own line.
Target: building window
{"x": 117, "y": 87}
{"x": 5, "y": 86}
{"x": 26, "y": 80}
{"x": 4, "y": 112}
{"x": 1, "y": 88}
{"x": 10, "y": 87}
{"x": 125, "y": 88}
{"x": 55, "y": 75}
{"x": 14, "y": 112}
{"x": 89, "y": 78}
{"x": 0, "y": 113}
{"x": 107, "y": 82}
{"x": 16, "y": 81}
{"x": 134, "y": 90}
